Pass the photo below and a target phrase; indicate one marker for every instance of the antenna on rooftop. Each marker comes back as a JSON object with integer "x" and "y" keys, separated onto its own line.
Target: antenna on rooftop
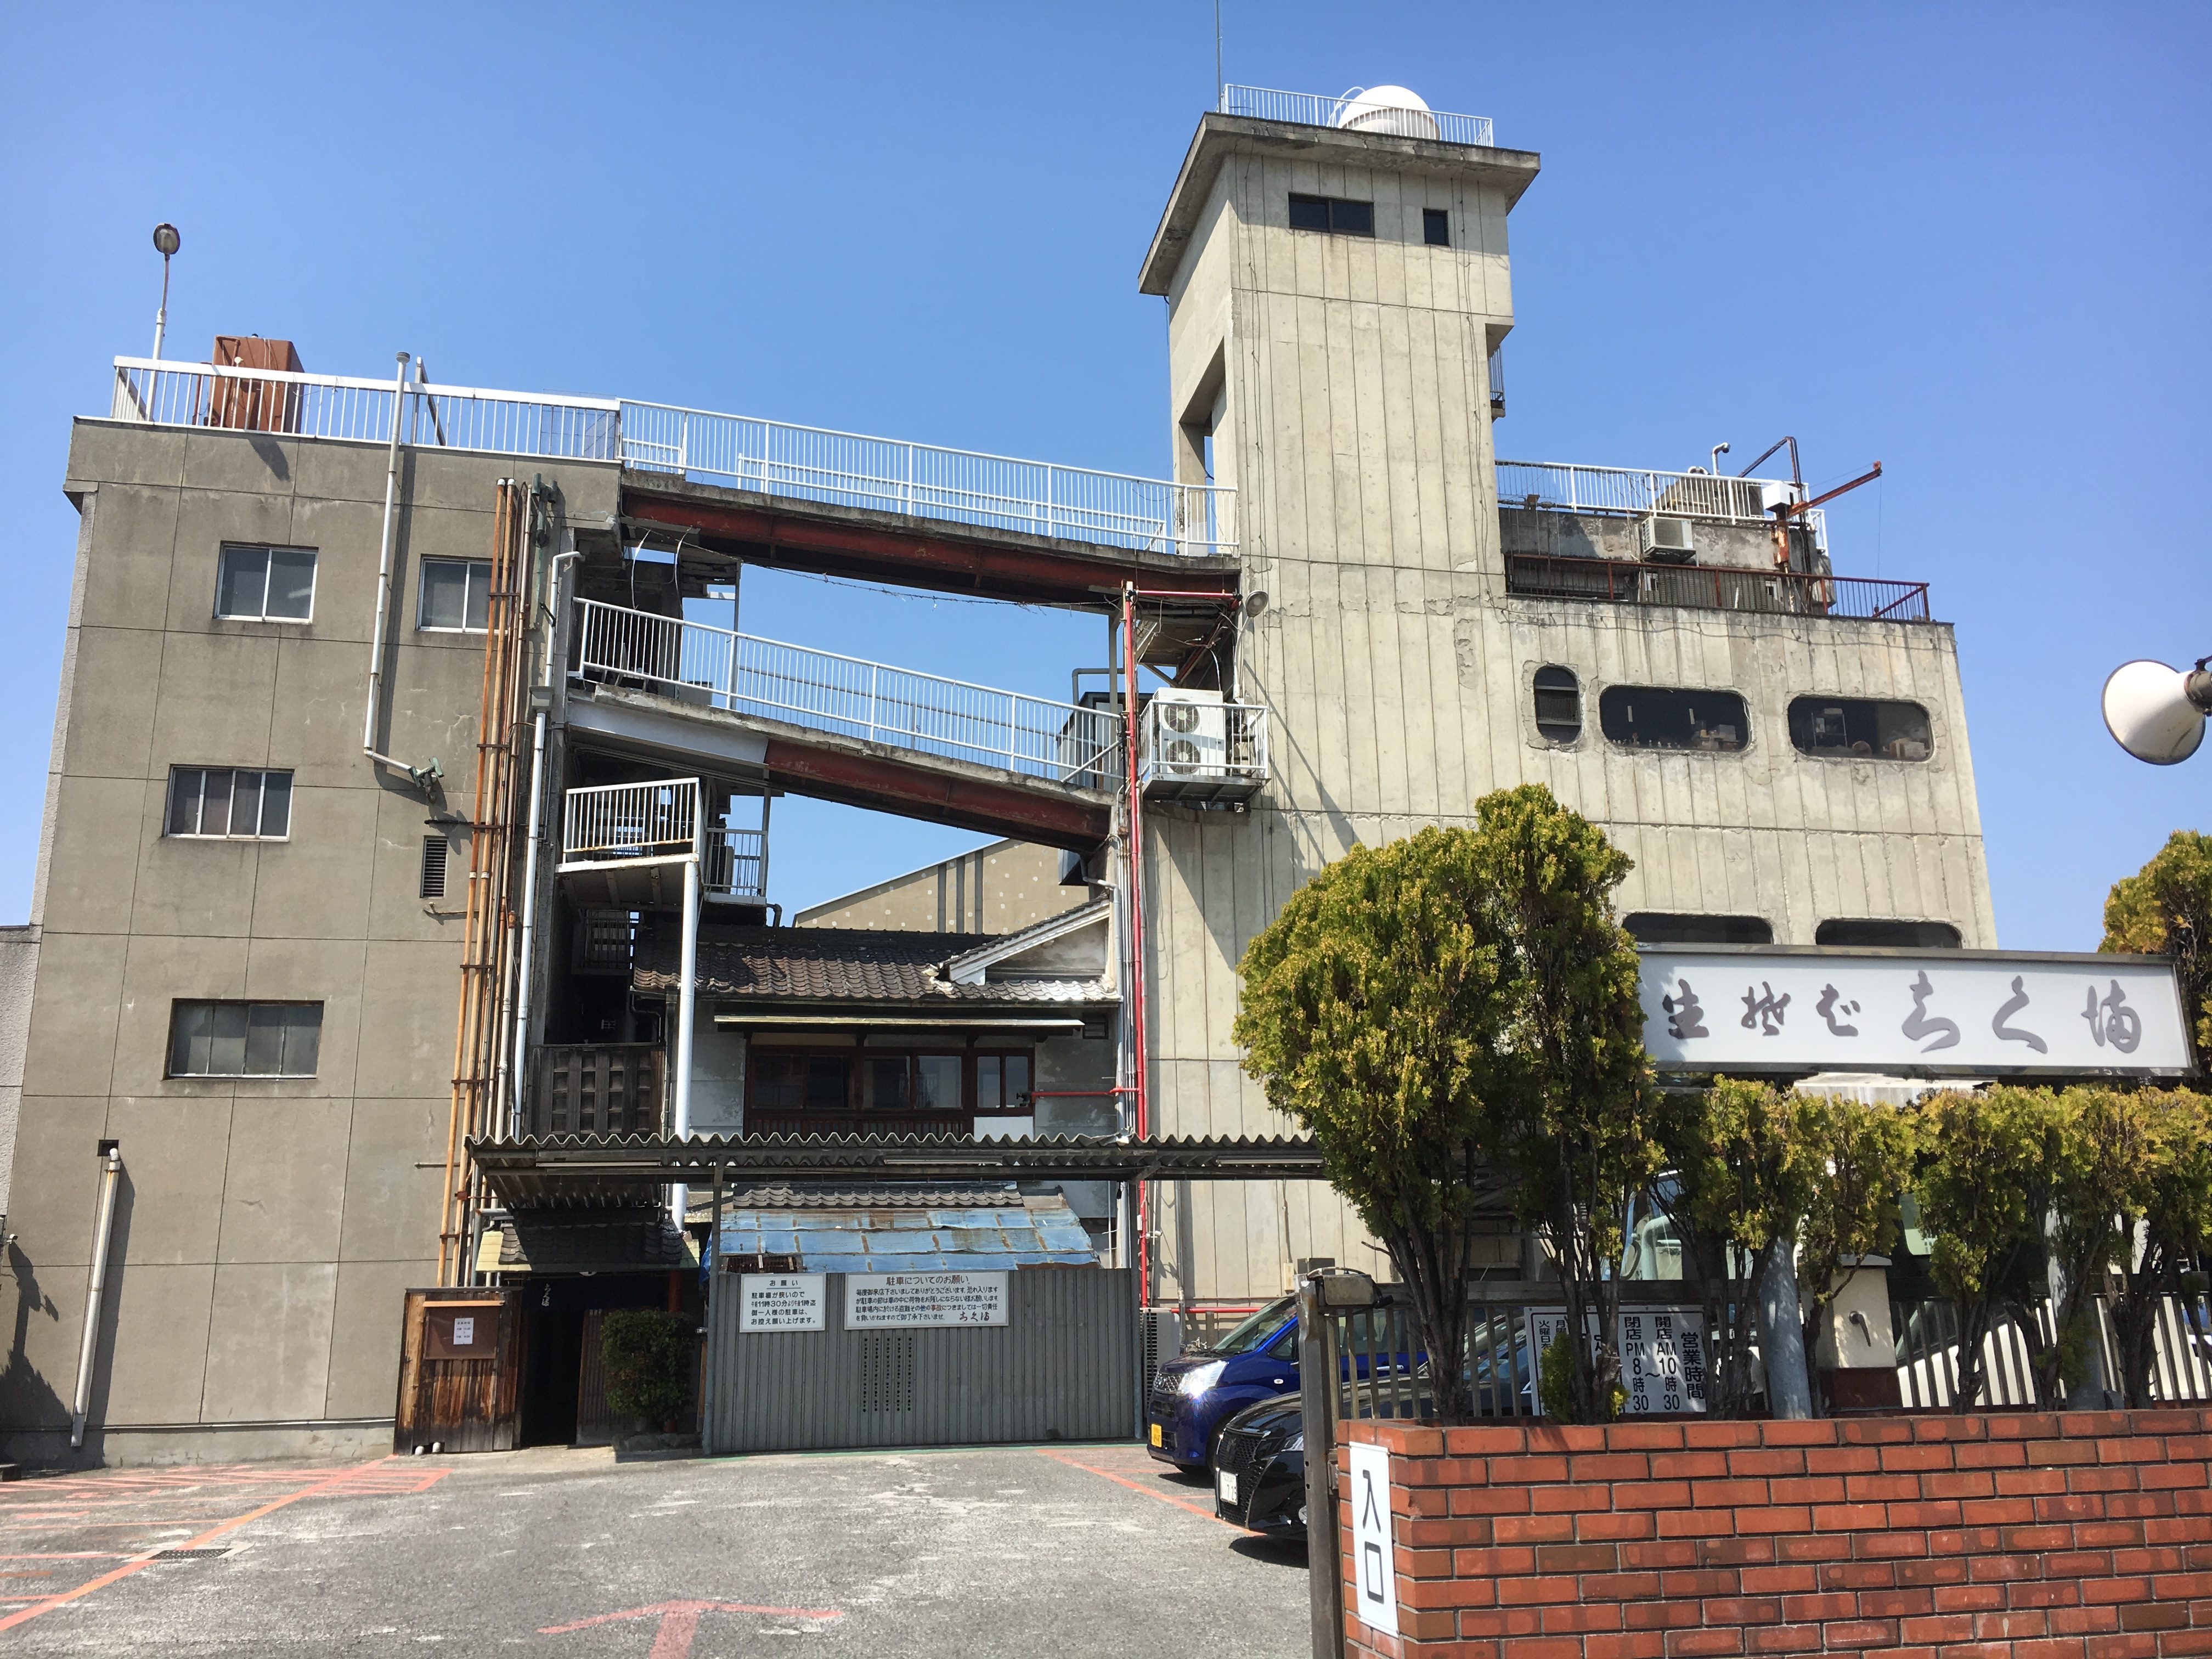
{"x": 166, "y": 242}
{"x": 1218, "y": 81}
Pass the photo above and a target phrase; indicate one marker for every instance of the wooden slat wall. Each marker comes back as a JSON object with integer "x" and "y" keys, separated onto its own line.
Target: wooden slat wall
{"x": 463, "y": 1404}
{"x": 599, "y": 1089}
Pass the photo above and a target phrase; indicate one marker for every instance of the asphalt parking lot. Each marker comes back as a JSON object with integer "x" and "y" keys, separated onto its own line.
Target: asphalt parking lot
{"x": 1013, "y": 1551}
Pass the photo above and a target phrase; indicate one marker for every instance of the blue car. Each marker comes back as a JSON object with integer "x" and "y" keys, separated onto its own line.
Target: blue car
{"x": 1194, "y": 1395}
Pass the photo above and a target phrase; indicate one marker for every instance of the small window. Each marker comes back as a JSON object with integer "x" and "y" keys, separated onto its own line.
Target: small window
{"x": 1857, "y": 728}
{"x": 1334, "y": 213}
{"x": 1559, "y": 705}
{"x": 267, "y": 584}
{"x": 1002, "y": 1083}
{"x": 433, "y": 867}
{"x": 245, "y": 1039}
{"x": 1660, "y": 717}
{"x": 229, "y": 803}
{"x": 1659, "y": 927}
{"x": 800, "y": 1083}
{"x": 1863, "y": 931}
{"x": 456, "y": 595}
{"x": 1435, "y": 226}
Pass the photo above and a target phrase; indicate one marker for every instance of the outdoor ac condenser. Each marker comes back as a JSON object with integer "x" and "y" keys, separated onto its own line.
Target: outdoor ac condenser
{"x": 1669, "y": 541}
{"x": 1190, "y": 734}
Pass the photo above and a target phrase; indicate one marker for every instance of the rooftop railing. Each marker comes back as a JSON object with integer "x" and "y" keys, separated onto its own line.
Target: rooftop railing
{"x": 1311, "y": 109}
{"x": 630, "y": 821}
{"x": 844, "y": 469}
{"x": 714, "y": 667}
{"x": 1715, "y": 587}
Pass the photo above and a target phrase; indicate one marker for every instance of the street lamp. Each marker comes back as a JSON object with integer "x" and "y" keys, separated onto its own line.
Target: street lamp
{"x": 2156, "y": 712}
{"x": 165, "y": 243}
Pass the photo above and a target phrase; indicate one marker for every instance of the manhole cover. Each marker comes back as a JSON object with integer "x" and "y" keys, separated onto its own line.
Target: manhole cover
{"x": 190, "y": 1555}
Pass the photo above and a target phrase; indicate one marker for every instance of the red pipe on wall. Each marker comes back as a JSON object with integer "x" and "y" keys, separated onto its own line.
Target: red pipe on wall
{"x": 1136, "y": 928}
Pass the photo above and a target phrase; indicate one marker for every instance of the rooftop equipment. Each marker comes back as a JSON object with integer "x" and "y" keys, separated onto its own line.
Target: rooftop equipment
{"x": 1394, "y": 110}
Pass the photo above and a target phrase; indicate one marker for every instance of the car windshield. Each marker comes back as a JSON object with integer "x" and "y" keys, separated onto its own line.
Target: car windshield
{"x": 1255, "y": 1332}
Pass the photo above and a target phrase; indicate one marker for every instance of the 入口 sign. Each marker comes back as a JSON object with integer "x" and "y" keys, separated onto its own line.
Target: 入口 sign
{"x": 1967, "y": 1012}
{"x": 782, "y": 1302}
{"x": 912, "y": 1301}
{"x": 1374, "y": 1563}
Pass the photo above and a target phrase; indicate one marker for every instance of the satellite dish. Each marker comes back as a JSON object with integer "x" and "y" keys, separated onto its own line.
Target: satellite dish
{"x": 1385, "y": 109}
{"x": 2156, "y": 712}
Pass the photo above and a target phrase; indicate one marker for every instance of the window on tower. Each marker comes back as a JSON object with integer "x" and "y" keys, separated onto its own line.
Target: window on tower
{"x": 1436, "y": 228}
{"x": 1332, "y": 214}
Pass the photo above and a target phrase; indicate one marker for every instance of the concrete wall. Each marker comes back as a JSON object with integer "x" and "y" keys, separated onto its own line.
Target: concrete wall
{"x": 266, "y": 1228}
{"x": 1354, "y": 416}
{"x": 19, "y": 967}
{"x": 999, "y": 888}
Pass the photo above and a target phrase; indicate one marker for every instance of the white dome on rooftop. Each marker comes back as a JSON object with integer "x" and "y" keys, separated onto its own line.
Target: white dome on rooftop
{"x": 1395, "y": 110}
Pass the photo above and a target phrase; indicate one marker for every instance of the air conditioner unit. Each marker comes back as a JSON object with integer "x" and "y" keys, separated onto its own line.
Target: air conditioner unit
{"x": 1772, "y": 495}
{"x": 1190, "y": 735}
{"x": 1669, "y": 541}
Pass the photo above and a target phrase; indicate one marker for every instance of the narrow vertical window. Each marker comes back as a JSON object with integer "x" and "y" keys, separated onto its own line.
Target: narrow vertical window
{"x": 433, "y": 867}
{"x": 1435, "y": 226}
{"x": 1559, "y": 697}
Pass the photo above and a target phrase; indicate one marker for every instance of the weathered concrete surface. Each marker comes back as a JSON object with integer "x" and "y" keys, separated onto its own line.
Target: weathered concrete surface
{"x": 1015, "y": 1552}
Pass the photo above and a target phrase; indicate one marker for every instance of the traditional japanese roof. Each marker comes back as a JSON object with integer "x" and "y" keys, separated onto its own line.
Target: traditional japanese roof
{"x": 568, "y": 1242}
{"x": 843, "y": 966}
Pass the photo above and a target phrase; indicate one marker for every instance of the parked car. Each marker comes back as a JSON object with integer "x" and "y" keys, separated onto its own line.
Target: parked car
{"x": 1260, "y": 1468}
{"x": 1195, "y": 1394}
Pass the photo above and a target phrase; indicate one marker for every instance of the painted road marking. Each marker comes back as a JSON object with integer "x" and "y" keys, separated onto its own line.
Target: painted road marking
{"x": 679, "y": 1621}
{"x": 356, "y": 1481}
{"x": 1124, "y": 1481}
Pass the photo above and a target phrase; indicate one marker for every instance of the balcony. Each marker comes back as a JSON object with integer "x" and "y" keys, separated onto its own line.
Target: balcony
{"x": 623, "y": 847}
{"x": 1715, "y": 587}
{"x": 1199, "y": 751}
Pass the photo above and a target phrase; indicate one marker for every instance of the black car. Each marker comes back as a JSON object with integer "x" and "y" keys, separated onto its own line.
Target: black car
{"x": 1260, "y": 1468}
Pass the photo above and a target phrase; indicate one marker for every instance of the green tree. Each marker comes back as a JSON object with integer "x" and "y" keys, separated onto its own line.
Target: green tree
{"x": 1987, "y": 1161}
{"x": 1375, "y": 1013}
{"x": 2165, "y": 909}
{"x": 1574, "y": 1113}
{"x": 2109, "y": 1152}
{"x": 2175, "y": 1228}
{"x": 650, "y": 1358}
{"x": 1864, "y": 1152}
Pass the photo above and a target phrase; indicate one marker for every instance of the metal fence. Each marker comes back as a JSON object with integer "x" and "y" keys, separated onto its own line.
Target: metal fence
{"x": 1618, "y": 491}
{"x": 1715, "y": 587}
{"x": 735, "y": 861}
{"x": 335, "y": 406}
{"x": 714, "y": 667}
{"x": 1311, "y": 109}
{"x": 631, "y": 820}
{"x": 1928, "y": 1354}
{"x": 889, "y": 475}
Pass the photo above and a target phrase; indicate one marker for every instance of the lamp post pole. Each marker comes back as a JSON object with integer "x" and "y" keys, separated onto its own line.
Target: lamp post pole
{"x": 166, "y": 242}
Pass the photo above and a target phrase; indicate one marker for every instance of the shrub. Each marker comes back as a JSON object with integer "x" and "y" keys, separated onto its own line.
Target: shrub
{"x": 650, "y": 1357}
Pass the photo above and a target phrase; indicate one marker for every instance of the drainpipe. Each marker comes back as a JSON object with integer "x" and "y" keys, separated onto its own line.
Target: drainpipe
{"x": 1134, "y": 881}
{"x": 420, "y": 774}
{"x": 519, "y": 1095}
{"x": 687, "y": 1004}
{"x": 111, "y": 1171}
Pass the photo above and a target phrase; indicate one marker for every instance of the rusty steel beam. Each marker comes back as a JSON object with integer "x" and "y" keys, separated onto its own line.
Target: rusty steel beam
{"x": 794, "y": 535}
{"x": 890, "y": 785}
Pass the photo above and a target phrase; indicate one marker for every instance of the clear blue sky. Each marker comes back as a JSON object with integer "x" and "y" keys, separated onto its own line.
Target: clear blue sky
{"x": 1970, "y": 241}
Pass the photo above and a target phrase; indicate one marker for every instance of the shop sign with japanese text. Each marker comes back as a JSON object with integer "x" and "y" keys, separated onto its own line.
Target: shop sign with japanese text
{"x": 1974, "y": 1013}
{"x": 782, "y": 1302}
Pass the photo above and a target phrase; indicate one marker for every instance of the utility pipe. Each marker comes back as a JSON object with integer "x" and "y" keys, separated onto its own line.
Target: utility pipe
{"x": 111, "y": 1172}
{"x": 1136, "y": 891}
{"x": 518, "y": 1096}
{"x": 687, "y": 1001}
{"x": 384, "y": 579}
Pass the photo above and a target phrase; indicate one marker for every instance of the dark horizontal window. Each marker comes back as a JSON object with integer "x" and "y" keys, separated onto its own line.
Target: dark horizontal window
{"x": 1660, "y": 717}
{"x": 245, "y": 1039}
{"x": 1659, "y": 927}
{"x": 877, "y": 1080}
{"x": 230, "y": 802}
{"x": 1333, "y": 213}
{"x": 1435, "y": 226}
{"x": 1864, "y": 931}
{"x": 1843, "y": 728}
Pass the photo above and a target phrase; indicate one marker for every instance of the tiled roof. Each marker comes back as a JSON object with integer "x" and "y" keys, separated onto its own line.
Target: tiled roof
{"x": 839, "y": 965}
{"x": 593, "y": 1241}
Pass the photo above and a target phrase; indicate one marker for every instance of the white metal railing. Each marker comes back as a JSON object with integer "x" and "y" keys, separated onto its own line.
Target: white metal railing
{"x": 714, "y": 667}
{"x": 631, "y": 820}
{"x": 1195, "y": 745}
{"x": 889, "y": 475}
{"x": 844, "y": 469}
{"x": 1626, "y": 492}
{"x": 1311, "y": 109}
{"x": 336, "y": 406}
{"x": 736, "y": 862}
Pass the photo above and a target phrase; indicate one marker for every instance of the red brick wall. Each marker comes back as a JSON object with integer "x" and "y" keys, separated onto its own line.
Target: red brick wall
{"x": 2028, "y": 1536}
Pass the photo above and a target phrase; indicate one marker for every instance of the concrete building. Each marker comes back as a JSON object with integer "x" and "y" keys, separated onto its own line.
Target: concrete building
{"x": 298, "y": 977}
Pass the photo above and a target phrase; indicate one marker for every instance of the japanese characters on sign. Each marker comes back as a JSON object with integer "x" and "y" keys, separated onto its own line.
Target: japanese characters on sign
{"x": 1966, "y": 1013}
{"x": 782, "y": 1302}
{"x": 918, "y": 1300}
{"x": 1664, "y": 1364}
{"x": 1374, "y": 1559}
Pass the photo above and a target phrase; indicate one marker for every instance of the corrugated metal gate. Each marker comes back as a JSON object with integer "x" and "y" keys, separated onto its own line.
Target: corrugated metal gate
{"x": 1063, "y": 1367}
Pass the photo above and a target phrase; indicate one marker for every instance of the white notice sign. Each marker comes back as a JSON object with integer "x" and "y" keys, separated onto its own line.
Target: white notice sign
{"x": 1664, "y": 1359}
{"x": 1374, "y": 1563}
{"x": 464, "y": 1331}
{"x": 1974, "y": 1013}
{"x": 782, "y": 1302}
{"x": 873, "y": 1301}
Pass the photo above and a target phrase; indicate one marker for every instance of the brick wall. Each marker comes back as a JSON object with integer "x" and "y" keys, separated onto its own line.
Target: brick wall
{"x": 2039, "y": 1536}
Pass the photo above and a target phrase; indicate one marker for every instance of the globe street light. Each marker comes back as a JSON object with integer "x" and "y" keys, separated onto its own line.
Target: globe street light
{"x": 165, "y": 243}
{"x": 2156, "y": 712}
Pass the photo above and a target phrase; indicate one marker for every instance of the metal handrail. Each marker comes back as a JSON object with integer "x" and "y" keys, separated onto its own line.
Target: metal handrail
{"x": 631, "y": 820}
{"x": 1716, "y": 588}
{"x": 1312, "y": 109}
{"x": 890, "y": 475}
{"x": 740, "y": 674}
{"x": 735, "y": 862}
